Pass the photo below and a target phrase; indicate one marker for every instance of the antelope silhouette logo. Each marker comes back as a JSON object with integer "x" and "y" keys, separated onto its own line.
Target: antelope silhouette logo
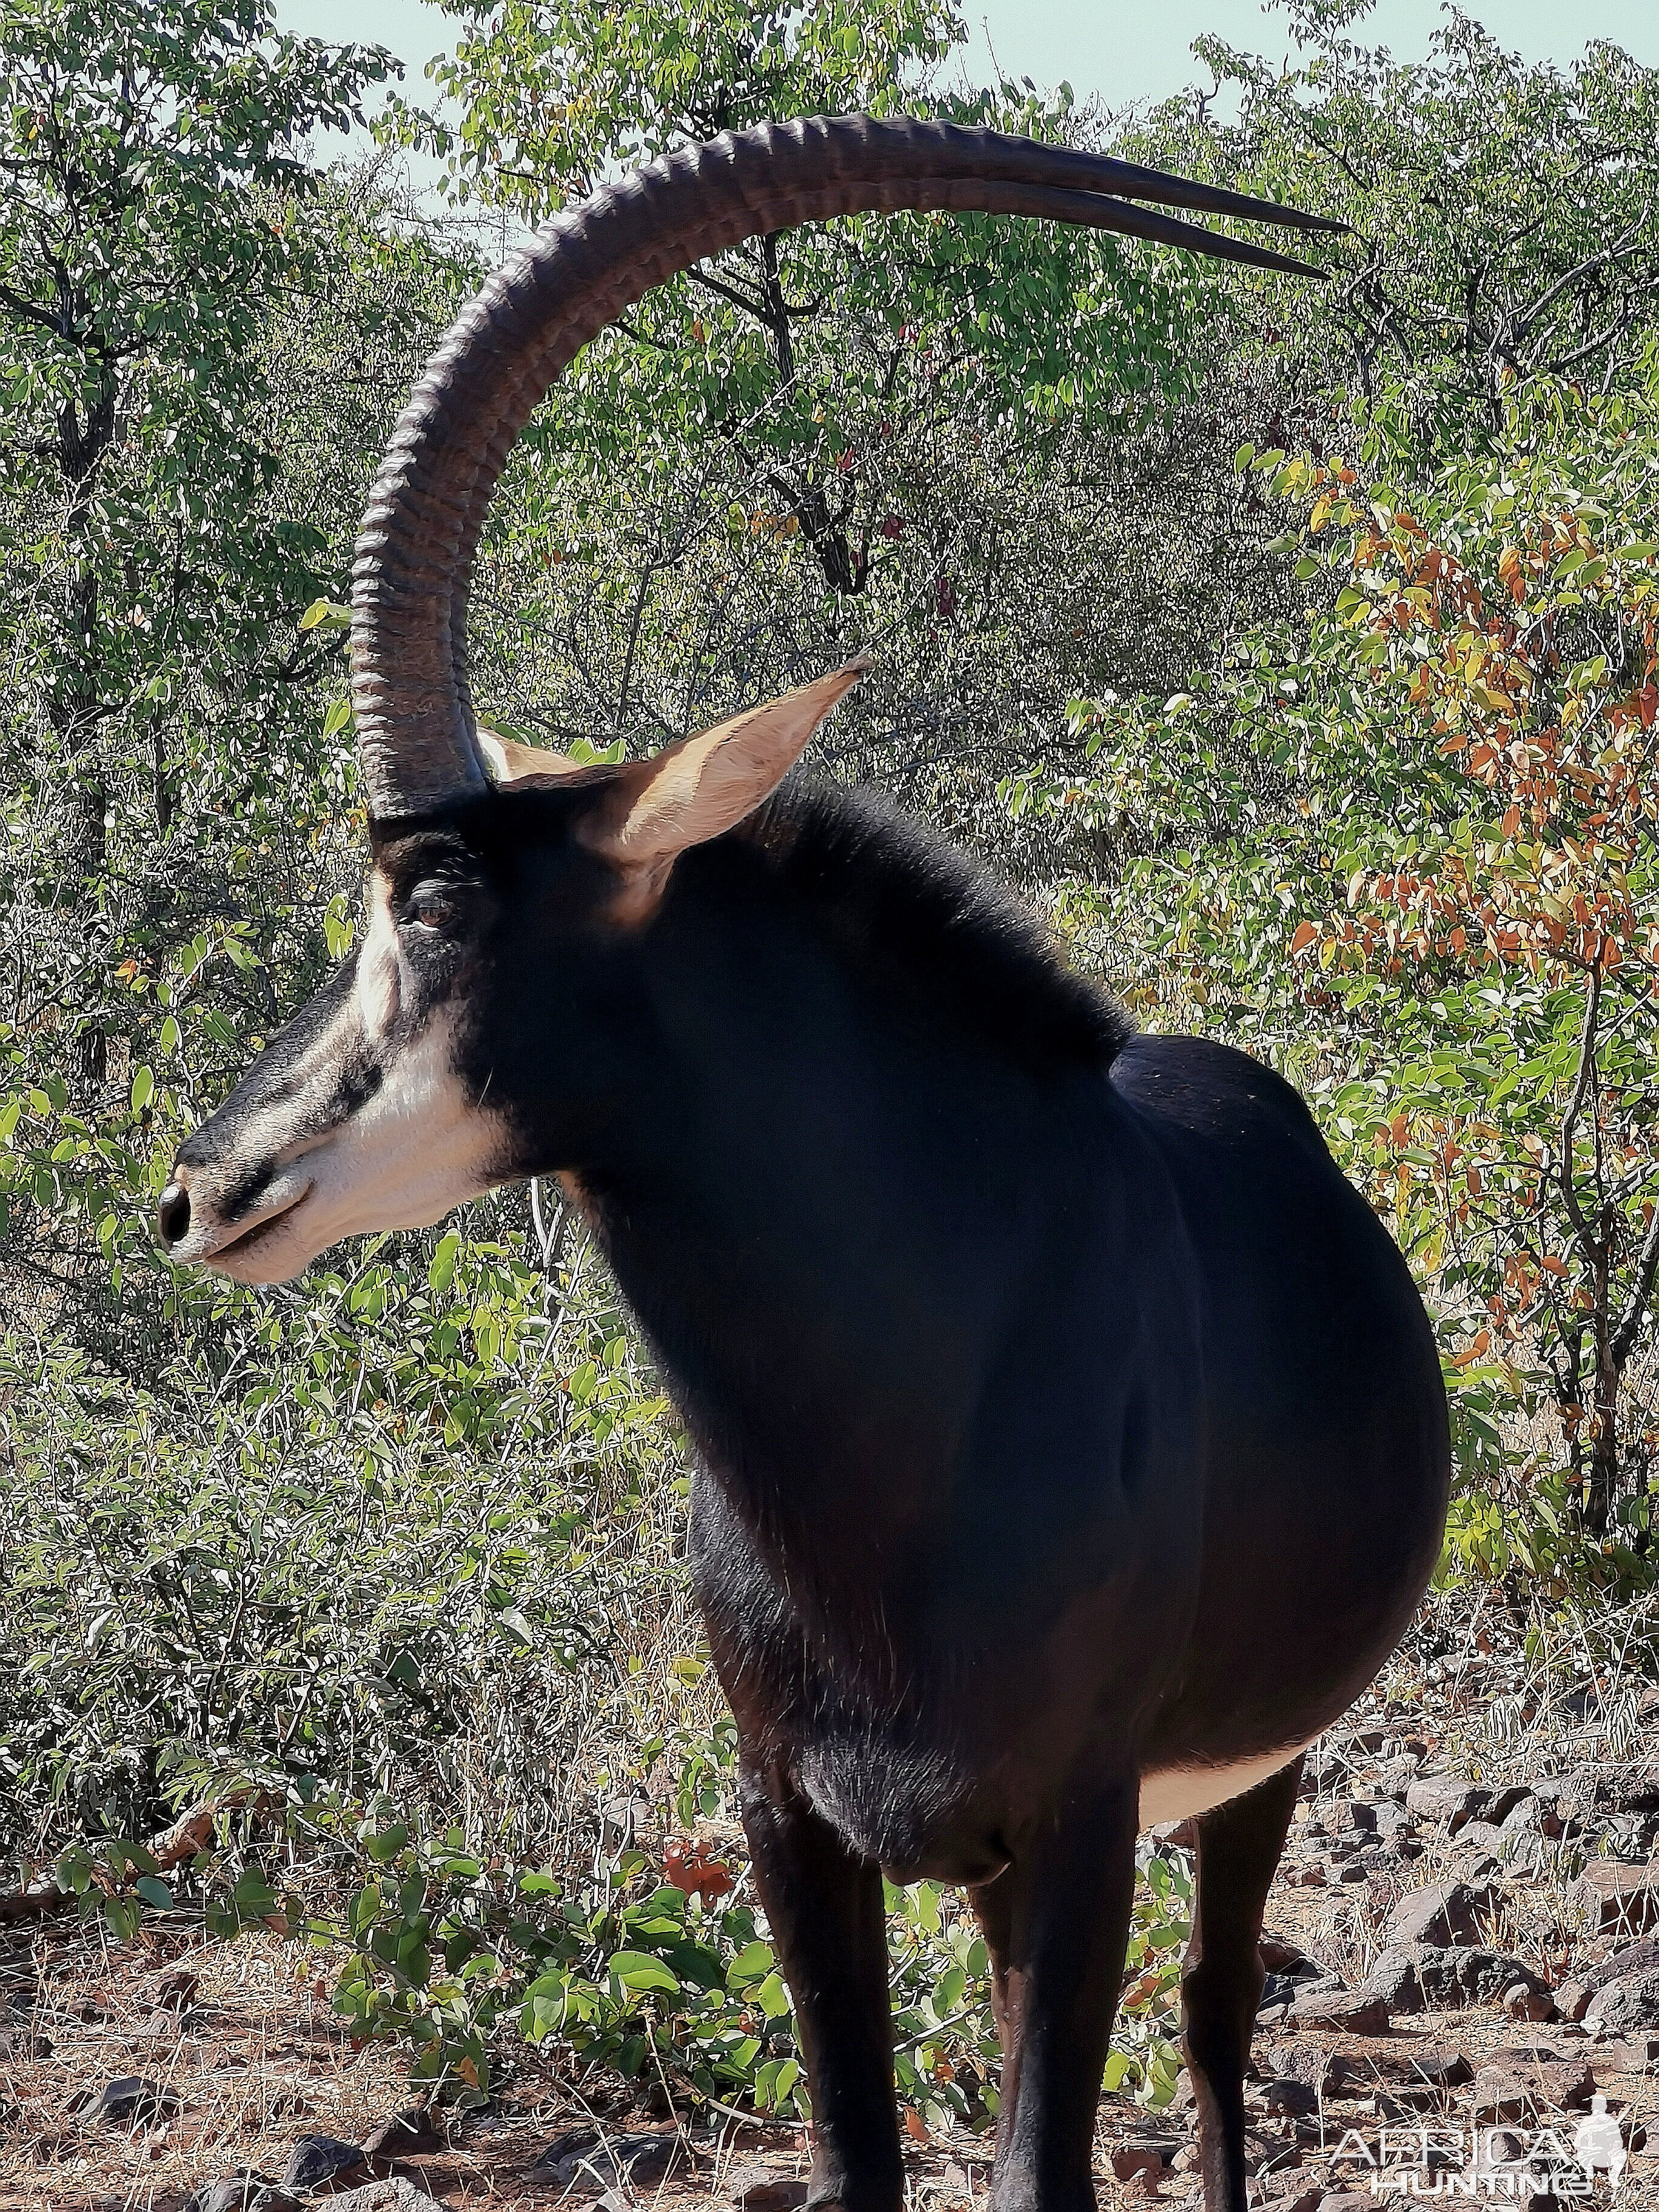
{"x": 1599, "y": 2144}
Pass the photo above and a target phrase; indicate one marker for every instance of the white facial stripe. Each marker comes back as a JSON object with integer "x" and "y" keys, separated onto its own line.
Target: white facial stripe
{"x": 380, "y": 991}
{"x": 417, "y": 1150}
{"x": 414, "y": 1149}
{"x": 286, "y": 1134}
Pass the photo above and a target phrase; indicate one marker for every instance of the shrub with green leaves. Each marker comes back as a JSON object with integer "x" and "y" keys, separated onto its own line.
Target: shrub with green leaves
{"x": 1405, "y": 848}
{"x": 456, "y": 1947}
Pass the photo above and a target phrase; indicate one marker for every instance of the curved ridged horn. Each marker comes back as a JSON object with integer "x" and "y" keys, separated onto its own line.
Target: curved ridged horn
{"x": 417, "y": 742}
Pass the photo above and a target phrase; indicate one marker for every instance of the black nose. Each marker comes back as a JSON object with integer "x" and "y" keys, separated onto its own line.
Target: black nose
{"x": 172, "y": 1214}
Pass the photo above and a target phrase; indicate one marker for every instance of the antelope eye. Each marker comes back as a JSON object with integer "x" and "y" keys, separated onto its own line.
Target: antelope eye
{"x": 433, "y": 907}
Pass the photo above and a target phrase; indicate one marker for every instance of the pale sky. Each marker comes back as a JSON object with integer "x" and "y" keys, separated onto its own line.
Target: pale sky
{"x": 1124, "y": 51}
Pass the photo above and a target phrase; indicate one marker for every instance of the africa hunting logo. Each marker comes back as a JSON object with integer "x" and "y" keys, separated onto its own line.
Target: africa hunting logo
{"x": 1493, "y": 2164}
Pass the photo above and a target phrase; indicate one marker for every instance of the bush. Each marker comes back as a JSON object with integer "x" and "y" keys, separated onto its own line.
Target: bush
{"x": 394, "y": 1591}
{"x": 1405, "y": 848}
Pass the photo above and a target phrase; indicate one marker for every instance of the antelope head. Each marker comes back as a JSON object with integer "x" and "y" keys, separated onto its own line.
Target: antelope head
{"x": 510, "y": 892}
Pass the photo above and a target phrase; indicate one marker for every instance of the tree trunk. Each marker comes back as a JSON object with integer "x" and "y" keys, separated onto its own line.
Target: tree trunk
{"x": 844, "y": 571}
{"x": 1601, "y": 1487}
{"x": 73, "y": 704}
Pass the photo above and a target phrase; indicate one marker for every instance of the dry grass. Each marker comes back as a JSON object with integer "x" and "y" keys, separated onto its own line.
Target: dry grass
{"x": 257, "y": 2060}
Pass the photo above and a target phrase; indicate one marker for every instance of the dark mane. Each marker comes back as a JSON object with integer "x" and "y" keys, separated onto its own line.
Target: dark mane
{"x": 925, "y": 917}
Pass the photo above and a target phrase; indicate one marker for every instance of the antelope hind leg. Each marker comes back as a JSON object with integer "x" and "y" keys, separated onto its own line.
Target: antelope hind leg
{"x": 1238, "y": 1848}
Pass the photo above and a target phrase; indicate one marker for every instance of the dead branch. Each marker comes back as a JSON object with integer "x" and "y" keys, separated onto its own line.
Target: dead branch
{"x": 190, "y": 1834}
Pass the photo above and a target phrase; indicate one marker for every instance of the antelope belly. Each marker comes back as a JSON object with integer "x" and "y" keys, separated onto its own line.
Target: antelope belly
{"x": 1176, "y": 1793}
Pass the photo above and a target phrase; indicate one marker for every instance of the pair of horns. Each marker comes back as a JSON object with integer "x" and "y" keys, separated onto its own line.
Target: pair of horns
{"x": 420, "y": 747}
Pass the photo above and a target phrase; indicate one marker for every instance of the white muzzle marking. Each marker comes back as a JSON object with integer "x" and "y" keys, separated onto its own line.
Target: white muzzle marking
{"x": 414, "y": 1148}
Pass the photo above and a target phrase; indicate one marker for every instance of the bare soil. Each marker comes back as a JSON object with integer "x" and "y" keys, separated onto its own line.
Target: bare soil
{"x": 257, "y": 2058}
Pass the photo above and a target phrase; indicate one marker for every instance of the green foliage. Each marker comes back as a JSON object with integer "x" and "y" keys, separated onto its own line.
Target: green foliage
{"x": 556, "y": 99}
{"x": 182, "y": 449}
{"x": 1146, "y": 2058}
{"x": 1405, "y": 845}
{"x": 808, "y": 347}
{"x": 1504, "y": 215}
{"x": 157, "y": 214}
{"x": 417, "y": 1507}
{"x": 446, "y": 1946}
{"x": 138, "y": 146}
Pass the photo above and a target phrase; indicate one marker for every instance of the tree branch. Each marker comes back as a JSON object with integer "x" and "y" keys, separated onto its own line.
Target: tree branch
{"x": 1647, "y": 1265}
{"x": 739, "y": 299}
{"x": 1575, "y": 1106}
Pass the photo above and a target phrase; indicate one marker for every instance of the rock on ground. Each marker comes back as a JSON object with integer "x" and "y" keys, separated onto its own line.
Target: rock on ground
{"x": 1445, "y": 1913}
{"x": 244, "y": 2190}
{"x": 1349, "y": 2012}
{"x": 1424, "y": 1977}
{"x": 757, "y": 2189}
{"x": 1446, "y": 1797}
{"x": 394, "y": 2194}
{"x": 316, "y": 2159}
{"x": 1295, "y": 2099}
{"x": 1612, "y": 1896}
{"x": 586, "y": 2163}
{"x": 1630, "y": 1958}
{"x": 1324, "y": 2070}
{"x": 131, "y": 2102}
{"x": 407, "y": 2134}
{"x": 1632, "y": 2001}
{"x": 1513, "y": 2088}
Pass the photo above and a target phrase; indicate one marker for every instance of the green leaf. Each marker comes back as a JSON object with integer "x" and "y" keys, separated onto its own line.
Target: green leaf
{"x": 252, "y": 1892}
{"x": 639, "y": 1971}
{"x": 697, "y": 1965}
{"x": 123, "y": 1917}
{"x": 442, "y": 1272}
{"x": 325, "y": 614}
{"x": 772, "y": 1998}
{"x": 754, "y": 1960}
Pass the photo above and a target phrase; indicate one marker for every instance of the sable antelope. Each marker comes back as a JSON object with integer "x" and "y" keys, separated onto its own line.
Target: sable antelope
{"x": 1072, "y": 1438}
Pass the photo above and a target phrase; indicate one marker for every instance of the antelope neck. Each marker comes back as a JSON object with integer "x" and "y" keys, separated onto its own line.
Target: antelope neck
{"x": 820, "y": 1213}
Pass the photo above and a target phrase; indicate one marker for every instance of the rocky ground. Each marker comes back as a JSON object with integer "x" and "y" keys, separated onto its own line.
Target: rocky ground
{"x": 1462, "y": 1974}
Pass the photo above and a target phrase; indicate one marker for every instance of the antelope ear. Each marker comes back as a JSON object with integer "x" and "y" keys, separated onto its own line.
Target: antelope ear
{"x": 696, "y": 789}
{"x": 508, "y": 760}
